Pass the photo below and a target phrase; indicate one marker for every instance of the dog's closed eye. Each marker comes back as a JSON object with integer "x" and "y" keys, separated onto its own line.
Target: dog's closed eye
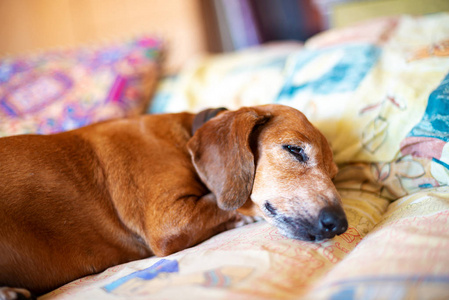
{"x": 297, "y": 152}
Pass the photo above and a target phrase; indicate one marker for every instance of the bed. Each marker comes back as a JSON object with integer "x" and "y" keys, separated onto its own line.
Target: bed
{"x": 378, "y": 90}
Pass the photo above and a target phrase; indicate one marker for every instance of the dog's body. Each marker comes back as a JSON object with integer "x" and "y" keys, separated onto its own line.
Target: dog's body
{"x": 76, "y": 203}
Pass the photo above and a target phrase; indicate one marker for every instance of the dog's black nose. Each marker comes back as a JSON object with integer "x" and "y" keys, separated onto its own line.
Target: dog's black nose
{"x": 332, "y": 221}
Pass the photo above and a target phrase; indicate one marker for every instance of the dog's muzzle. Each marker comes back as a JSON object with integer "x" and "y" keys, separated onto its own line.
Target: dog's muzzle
{"x": 331, "y": 221}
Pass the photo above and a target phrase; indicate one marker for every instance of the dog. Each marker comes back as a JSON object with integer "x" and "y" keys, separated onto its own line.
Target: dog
{"x": 78, "y": 202}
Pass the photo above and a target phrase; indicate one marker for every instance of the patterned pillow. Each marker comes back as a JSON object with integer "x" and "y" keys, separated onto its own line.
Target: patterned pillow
{"x": 381, "y": 99}
{"x": 61, "y": 90}
{"x": 378, "y": 91}
{"x": 249, "y": 77}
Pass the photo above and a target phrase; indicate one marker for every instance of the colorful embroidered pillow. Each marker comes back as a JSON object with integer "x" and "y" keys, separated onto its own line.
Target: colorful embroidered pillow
{"x": 61, "y": 90}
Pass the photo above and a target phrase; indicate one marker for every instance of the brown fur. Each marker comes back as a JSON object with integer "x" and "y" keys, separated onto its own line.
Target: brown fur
{"x": 76, "y": 203}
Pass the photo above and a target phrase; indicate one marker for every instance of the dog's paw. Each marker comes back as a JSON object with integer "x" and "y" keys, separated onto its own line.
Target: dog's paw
{"x": 7, "y": 293}
{"x": 242, "y": 220}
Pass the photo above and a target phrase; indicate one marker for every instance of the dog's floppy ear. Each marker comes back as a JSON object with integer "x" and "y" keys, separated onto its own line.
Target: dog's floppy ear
{"x": 222, "y": 156}
{"x": 204, "y": 116}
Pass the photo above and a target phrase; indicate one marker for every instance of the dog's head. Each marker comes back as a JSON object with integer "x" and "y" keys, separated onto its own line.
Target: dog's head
{"x": 272, "y": 161}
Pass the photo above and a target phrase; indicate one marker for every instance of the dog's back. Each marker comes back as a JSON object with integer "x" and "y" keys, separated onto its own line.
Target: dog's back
{"x": 52, "y": 191}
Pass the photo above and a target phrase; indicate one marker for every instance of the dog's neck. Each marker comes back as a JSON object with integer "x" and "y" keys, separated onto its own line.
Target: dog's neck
{"x": 204, "y": 116}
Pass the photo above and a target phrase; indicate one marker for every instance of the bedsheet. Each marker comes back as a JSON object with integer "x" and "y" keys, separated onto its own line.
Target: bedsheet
{"x": 253, "y": 261}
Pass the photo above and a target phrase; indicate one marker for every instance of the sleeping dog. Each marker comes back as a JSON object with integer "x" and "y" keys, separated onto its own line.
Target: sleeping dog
{"x": 78, "y": 202}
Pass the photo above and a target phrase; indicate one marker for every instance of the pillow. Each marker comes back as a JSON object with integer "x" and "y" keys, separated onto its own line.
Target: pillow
{"x": 377, "y": 90}
{"x": 380, "y": 98}
{"x": 244, "y": 78}
{"x": 64, "y": 89}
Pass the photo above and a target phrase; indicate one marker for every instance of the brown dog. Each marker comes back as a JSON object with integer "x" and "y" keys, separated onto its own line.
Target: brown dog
{"x": 76, "y": 203}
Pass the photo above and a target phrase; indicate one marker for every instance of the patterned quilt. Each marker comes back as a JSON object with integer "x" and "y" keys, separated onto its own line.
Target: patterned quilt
{"x": 379, "y": 91}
